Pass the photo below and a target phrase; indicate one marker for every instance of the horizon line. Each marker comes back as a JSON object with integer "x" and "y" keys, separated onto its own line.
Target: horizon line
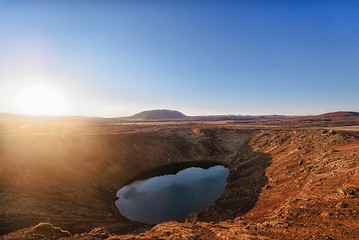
{"x": 206, "y": 115}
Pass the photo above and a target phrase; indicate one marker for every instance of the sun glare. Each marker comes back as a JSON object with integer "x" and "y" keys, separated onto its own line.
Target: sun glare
{"x": 40, "y": 101}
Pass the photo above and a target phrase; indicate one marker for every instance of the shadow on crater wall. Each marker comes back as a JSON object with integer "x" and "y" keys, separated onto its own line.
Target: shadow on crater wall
{"x": 246, "y": 180}
{"x": 232, "y": 149}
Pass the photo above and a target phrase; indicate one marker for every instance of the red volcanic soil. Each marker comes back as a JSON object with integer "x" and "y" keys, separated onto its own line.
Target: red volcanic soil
{"x": 291, "y": 178}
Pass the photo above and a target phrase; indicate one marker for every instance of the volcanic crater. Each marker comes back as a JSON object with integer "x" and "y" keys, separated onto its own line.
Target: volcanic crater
{"x": 285, "y": 181}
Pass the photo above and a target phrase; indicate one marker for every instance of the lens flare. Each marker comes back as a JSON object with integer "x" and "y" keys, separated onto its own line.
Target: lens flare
{"x": 40, "y": 100}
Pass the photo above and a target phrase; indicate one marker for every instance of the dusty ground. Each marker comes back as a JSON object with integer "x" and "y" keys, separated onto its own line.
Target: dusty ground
{"x": 294, "y": 178}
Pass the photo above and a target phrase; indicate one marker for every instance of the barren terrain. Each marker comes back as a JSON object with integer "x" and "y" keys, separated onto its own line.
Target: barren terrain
{"x": 290, "y": 178}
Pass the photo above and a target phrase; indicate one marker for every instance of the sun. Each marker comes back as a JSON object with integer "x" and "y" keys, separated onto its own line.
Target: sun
{"x": 40, "y": 100}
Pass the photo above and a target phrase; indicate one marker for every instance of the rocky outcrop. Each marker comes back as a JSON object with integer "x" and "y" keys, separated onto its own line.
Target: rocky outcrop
{"x": 40, "y": 231}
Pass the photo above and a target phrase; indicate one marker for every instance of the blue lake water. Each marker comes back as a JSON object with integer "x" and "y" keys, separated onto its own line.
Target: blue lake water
{"x": 172, "y": 197}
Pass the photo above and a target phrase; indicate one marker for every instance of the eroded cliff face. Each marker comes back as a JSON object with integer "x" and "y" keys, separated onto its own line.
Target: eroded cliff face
{"x": 283, "y": 183}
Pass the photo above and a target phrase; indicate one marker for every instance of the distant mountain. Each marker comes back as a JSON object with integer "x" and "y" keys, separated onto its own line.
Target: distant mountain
{"x": 341, "y": 114}
{"x": 161, "y": 114}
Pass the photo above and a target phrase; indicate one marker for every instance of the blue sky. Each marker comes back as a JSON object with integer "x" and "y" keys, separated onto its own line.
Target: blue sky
{"x": 114, "y": 58}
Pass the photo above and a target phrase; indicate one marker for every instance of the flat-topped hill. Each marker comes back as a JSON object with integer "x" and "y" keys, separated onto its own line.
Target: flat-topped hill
{"x": 159, "y": 114}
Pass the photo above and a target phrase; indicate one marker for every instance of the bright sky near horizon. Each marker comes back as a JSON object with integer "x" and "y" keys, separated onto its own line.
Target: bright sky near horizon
{"x": 116, "y": 58}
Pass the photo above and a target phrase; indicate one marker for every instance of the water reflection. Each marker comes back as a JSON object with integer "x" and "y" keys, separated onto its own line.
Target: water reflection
{"x": 172, "y": 197}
